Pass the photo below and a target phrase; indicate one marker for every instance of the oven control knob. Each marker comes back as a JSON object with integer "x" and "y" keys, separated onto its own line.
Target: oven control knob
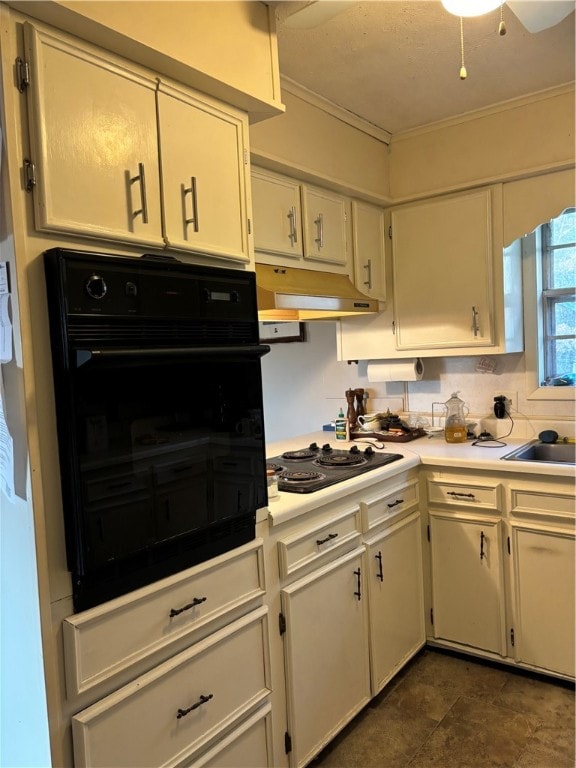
{"x": 96, "y": 287}
{"x": 313, "y": 446}
{"x": 354, "y": 449}
{"x": 326, "y": 448}
{"x": 369, "y": 451}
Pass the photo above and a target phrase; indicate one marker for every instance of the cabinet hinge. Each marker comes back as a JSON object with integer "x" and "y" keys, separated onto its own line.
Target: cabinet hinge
{"x": 22, "y": 74}
{"x": 245, "y": 157}
{"x": 29, "y": 175}
{"x": 508, "y": 541}
{"x": 428, "y": 532}
{"x": 512, "y": 636}
{"x": 249, "y": 227}
{"x": 281, "y": 623}
{"x": 390, "y": 231}
{"x": 431, "y": 615}
{"x": 287, "y": 743}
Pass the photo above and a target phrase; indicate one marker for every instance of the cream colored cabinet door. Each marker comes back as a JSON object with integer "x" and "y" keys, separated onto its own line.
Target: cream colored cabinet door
{"x": 326, "y": 653}
{"x": 203, "y": 161}
{"x": 277, "y": 215}
{"x": 467, "y": 581}
{"x": 442, "y": 253}
{"x": 368, "y": 233}
{"x": 94, "y": 143}
{"x": 544, "y": 599}
{"x": 326, "y": 222}
{"x": 395, "y": 585}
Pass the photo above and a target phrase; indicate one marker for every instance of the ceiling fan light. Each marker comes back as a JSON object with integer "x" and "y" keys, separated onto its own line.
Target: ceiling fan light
{"x": 470, "y": 7}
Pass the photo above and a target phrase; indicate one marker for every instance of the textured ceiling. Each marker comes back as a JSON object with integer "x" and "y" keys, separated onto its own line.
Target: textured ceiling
{"x": 396, "y": 63}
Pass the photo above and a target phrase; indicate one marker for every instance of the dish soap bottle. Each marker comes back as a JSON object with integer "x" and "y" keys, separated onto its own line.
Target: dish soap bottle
{"x": 342, "y": 426}
{"x": 455, "y": 421}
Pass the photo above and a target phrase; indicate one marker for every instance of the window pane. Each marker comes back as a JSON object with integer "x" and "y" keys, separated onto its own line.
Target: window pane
{"x": 564, "y": 354}
{"x": 563, "y": 228}
{"x": 563, "y": 267}
{"x": 564, "y": 321}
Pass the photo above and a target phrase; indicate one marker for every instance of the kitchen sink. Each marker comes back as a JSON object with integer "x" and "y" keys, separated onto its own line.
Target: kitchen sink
{"x": 557, "y": 453}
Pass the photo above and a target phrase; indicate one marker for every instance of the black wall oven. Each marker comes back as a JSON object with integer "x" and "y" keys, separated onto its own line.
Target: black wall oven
{"x": 159, "y": 415}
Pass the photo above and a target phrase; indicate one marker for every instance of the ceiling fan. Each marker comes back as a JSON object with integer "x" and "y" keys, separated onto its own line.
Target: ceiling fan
{"x": 535, "y": 15}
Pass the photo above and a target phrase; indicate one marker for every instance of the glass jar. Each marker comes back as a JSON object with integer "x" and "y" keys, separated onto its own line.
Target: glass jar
{"x": 455, "y": 430}
{"x": 272, "y": 480}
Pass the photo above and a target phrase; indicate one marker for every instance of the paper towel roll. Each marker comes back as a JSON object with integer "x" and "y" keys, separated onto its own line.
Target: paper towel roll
{"x": 395, "y": 370}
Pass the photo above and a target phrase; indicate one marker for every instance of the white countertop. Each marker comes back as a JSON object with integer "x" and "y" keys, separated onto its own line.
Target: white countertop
{"x": 428, "y": 451}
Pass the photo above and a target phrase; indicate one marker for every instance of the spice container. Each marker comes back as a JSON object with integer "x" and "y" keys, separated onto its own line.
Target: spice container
{"x": 272, "y": 480}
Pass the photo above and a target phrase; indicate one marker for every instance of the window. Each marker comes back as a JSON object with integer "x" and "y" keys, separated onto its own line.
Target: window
{"x": 549, "y": 276}
{"x": 558, "y": 264}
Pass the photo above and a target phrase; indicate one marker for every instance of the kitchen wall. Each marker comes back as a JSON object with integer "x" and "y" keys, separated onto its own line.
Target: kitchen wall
{"x": 304, "y": 388}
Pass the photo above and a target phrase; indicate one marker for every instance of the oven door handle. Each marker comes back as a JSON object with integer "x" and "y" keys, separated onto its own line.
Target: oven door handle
{"x": 84, "y": 356}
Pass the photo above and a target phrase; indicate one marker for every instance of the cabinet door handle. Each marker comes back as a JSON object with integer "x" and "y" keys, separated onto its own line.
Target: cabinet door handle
{"x": 368, "y": 268}
{"x": 475, "y": 326}
{"x": 380, "y": 574}
{"x": 293, "y": 236}
{"x": 320, "y": 226}
{"x": 192, "y": 189}
{"x": 358, "y": 592}
{"x": 193, "y": 604}
{"x": 202, "y": 700}
{"x": 395, "y": 503}
{"x": 141, "y": 178}
{"x": 461, "y": 495}
{"x": 330, "y": 536}
{"x": 482, "y": 553}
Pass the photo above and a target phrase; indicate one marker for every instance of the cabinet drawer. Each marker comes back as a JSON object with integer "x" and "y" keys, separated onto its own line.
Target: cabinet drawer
{"x": 321, "y": 543}
{"x": 248, "y": 746}
{"x": 105, "y": 641}
{"x": 534, "y": 503}
{"x": 478, "y": 496}
{"x": 180, "y": 706}
{"x": 390, "y": 506}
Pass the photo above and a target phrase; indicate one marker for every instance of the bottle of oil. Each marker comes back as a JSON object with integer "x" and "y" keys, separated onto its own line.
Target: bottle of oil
{"x": 455, "y": 422}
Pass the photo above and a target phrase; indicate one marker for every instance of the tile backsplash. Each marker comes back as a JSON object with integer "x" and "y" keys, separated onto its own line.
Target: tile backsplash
{"x": 304, "y": 387}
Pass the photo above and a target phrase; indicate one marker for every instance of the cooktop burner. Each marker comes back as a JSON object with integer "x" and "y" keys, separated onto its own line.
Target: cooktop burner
{"x": 298, "y": 471}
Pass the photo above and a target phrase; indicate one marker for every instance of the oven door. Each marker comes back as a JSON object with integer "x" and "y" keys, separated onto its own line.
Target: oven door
{"x": 163, "y": 462}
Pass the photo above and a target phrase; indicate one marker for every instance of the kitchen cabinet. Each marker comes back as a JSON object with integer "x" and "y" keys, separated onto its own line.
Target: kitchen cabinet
{"x": 395, "y": 585}
{"x": 325, "y": 221}
{"x": 299, "y": 225}
{"x": 119, "y": 155}
{"x": 368, "y": 237}
{"x": 160, "y": 666}
{"x": 277, "y": 215}
{"x": 467, "y": 575}
{"x": 542, "y": 557}
{"x": 454, "y": 287}
{"x": 326, "y": 653}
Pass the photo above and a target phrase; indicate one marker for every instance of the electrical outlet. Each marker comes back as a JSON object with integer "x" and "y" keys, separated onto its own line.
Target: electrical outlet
{"x": 511, "y": 399}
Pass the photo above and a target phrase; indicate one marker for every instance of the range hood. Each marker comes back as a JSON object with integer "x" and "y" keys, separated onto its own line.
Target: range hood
{"x": 289, "y": 294}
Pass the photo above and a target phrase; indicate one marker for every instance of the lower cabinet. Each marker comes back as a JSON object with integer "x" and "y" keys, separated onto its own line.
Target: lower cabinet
{"x": 395, "y": 585}
{"x": 326, "y": 653}
{"x": 467, "y": 581}
{"x": 180, "y": 707}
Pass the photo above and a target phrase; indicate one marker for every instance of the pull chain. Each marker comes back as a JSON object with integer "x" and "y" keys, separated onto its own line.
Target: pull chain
{"x": 502, "y": 25}
{"x": 463, "y": 73}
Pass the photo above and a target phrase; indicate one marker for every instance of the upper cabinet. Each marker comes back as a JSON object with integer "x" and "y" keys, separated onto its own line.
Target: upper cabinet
{"x": 442, "y": 272}
{"x": 118, "y": 155}
{"x": 325, "y": 221}
{"x": 277, "y": 215}
{"x": 368, "y": 233}
{"x": 456, "y": 291}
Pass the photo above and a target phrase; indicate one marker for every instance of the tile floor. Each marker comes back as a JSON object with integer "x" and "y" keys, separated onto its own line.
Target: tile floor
{"x": 451, "y": 711}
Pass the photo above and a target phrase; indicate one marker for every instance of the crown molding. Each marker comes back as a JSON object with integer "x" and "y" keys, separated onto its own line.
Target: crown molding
{"x": 339, "y": 113}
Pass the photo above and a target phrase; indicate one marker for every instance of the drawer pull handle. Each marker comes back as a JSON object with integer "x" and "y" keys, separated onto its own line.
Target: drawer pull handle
{"x": 482, "y": 553}
{"x": 358, "y": 593}
{"x": 202, "y": 700}
{"x": 193, "y": 604}
{"x": 330, "y": 536}
{"x": 461, "y": 495}
{"x": 380, "y": 574}
{"x": 395, "y": 503}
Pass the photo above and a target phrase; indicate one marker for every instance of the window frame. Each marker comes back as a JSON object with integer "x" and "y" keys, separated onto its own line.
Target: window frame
{"x": 535, "y": 314}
